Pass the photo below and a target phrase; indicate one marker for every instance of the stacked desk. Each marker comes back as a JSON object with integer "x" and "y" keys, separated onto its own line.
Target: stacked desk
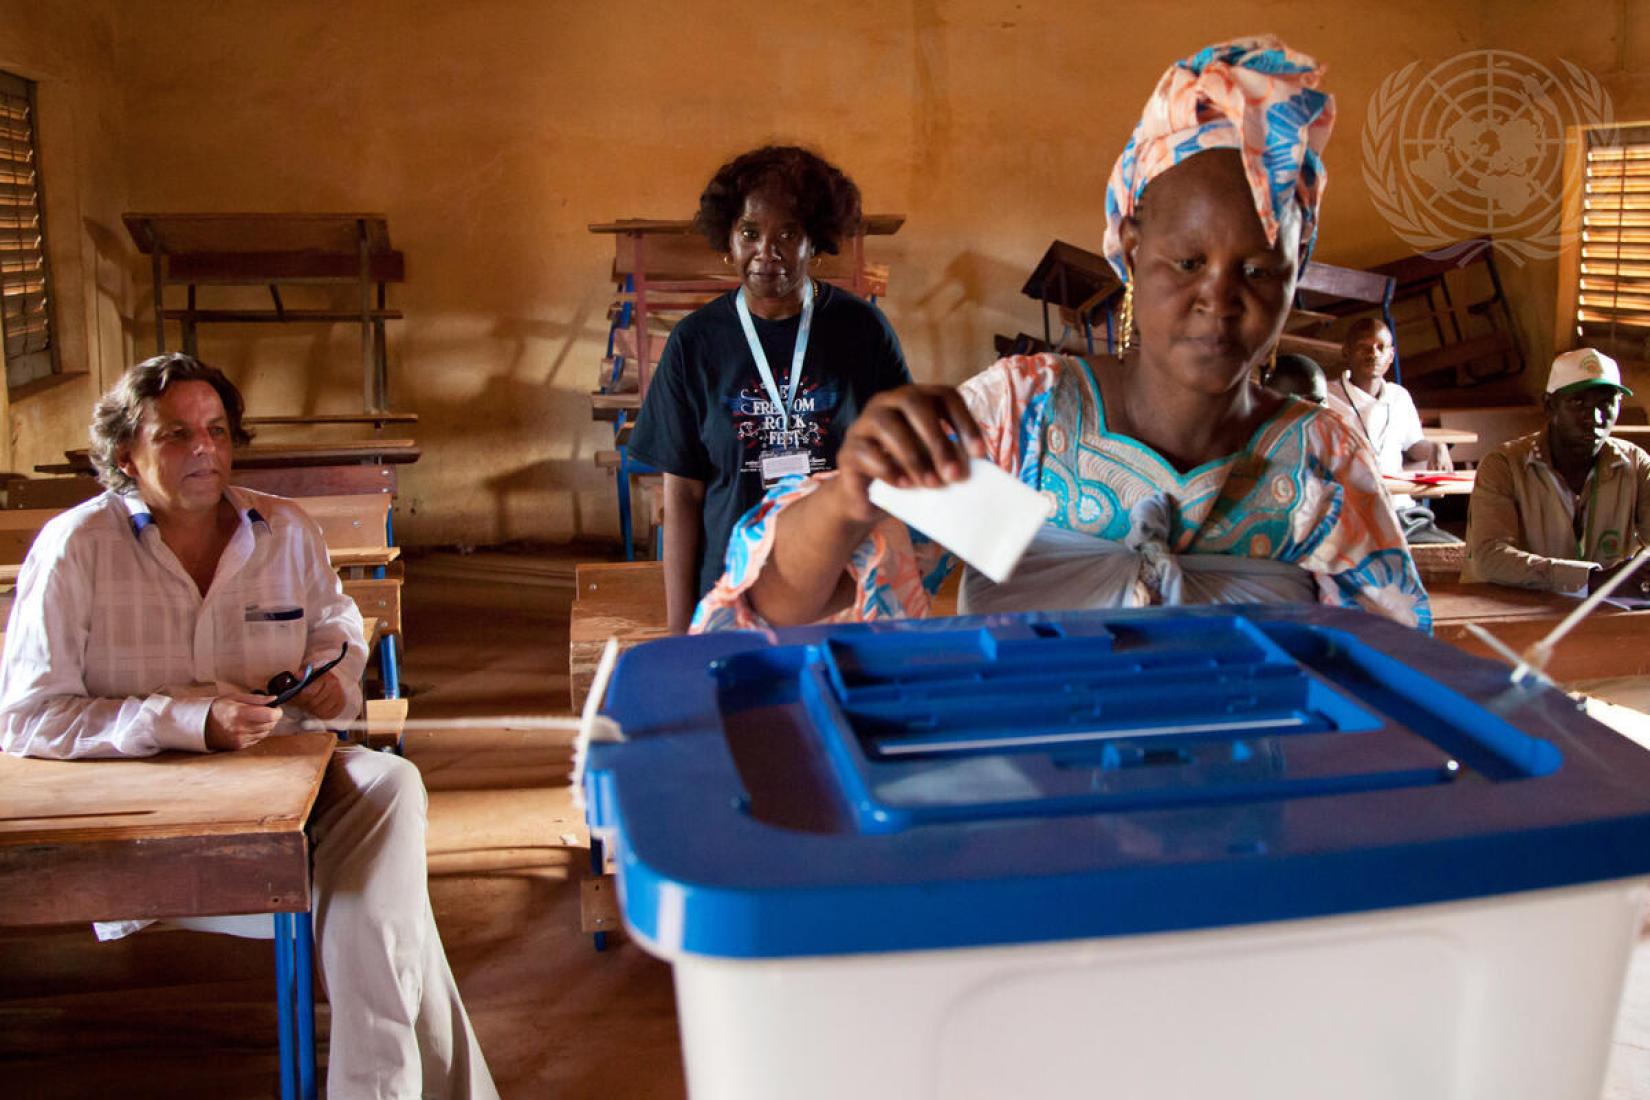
{"x": 346, "y": 251}
{"x": 1083, "y": 290}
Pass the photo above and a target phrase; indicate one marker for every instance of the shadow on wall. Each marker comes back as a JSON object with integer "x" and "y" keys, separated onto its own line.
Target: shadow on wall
{"x": 112, "y": 288}
{"x": 950, "y": 310}
{"x": 522, "y": 443}
{"x": 524, "y": 336}
{"x": 529, "y": 489}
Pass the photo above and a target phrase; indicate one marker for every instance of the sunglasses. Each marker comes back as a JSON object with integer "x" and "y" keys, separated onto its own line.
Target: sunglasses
{"x": 285, "y": 686}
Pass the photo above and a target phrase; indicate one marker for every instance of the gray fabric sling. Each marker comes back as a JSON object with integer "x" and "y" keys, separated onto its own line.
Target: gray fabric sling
{"x": 1069, "y": 571}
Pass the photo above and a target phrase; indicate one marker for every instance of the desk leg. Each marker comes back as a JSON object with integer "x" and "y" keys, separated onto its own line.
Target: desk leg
{"x": 389, "y": 663}
{"x": 304, "y": 1004}
{"x": 598, "y": 864}
{"x": 295, "y": 1004}
{"x": 625, "y": 533}
{"x": 283, "y": 1006}
{"x": 389, "y": 666}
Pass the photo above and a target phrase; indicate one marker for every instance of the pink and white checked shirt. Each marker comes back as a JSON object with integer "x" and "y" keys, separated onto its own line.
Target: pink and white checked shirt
{"x": 113, "y": 651}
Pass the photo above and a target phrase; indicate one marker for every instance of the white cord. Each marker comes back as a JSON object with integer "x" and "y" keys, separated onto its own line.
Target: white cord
{"x": 594, "y": 726}
{"x": 484, "y": 721}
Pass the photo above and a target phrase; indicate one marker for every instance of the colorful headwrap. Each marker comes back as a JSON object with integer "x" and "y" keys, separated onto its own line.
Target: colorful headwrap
{"x": 1254, "y": 95}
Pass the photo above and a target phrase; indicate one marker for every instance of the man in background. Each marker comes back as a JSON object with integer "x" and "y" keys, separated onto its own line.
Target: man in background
{"x": 1563, "y": 508}
{"x": 1384, "y": 413}
{"x": 150, "y": 619}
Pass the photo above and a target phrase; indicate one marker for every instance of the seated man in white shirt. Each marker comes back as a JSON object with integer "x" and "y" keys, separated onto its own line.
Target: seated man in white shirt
{"x": 1385, "y": 415}
{"x": 150, "y": 618}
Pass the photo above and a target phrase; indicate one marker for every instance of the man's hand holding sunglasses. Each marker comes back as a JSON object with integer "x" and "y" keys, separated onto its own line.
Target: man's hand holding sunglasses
{"x": 239, "y": 721}
{"x": 324, "y": 698}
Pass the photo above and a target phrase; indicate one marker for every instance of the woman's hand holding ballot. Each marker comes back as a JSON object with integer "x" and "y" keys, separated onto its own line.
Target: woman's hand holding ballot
{"x": 910, "y": 437}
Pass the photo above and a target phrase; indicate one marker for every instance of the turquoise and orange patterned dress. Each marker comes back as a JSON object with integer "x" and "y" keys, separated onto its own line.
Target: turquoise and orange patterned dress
{"x": 1304, "y": 491}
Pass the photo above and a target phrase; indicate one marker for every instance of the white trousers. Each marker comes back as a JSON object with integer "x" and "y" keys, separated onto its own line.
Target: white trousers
{"x": 399, "y": 1030}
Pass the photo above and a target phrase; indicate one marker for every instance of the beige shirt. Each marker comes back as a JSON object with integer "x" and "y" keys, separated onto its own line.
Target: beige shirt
{"x": 1521, "y": 528}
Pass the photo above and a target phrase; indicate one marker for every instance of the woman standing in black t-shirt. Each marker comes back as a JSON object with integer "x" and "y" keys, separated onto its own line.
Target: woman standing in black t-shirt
{"x": 760, "y": 384}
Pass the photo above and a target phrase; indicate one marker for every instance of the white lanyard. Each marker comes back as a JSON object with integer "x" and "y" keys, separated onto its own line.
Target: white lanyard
{"x": 1352, "y": 404}
{"x": 783, "y": 404}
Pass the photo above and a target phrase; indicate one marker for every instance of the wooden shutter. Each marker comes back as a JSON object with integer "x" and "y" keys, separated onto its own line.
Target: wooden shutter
{"x": 25, "y": 297}
{"x": 1613, "y": 295}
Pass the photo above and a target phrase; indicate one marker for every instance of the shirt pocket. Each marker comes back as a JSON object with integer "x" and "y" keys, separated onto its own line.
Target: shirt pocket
{"x": 274, "y": 635}
{"x": 256, "y": 614}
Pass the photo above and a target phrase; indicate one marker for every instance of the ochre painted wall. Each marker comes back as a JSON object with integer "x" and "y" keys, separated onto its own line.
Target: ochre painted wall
{"x": 1612, "y": 44}
{"x": 492, "y": 133}
{"x": 70, "y": 51}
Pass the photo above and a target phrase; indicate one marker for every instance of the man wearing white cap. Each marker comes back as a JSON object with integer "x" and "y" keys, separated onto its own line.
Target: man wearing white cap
{"x": 1563, "y": 508}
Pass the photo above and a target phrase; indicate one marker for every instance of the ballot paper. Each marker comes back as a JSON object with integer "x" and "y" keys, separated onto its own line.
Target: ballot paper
{"x": 987, "y": 520}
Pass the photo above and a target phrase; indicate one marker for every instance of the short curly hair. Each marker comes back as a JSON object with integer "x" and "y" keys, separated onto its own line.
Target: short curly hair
{"x": 119, "y": 413}
{"x": 827, "y": 201}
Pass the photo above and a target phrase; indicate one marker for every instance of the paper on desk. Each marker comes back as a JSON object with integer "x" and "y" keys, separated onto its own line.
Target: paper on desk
{"x": 987, "y": 520}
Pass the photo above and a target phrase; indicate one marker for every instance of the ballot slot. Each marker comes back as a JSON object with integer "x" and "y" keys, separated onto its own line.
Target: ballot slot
{"x": 1017, "y": 689}
{"x": 995, "y": 719}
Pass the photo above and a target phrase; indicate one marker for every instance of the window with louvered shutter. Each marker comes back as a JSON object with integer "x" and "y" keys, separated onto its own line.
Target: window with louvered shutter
{"x": 1613, "y": 293}
{"x": 25, "y": 289}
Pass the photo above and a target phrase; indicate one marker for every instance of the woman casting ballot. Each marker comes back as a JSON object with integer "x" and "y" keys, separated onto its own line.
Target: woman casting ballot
{"x": 1184, "y": 480}
{"x": 761, "y": 383}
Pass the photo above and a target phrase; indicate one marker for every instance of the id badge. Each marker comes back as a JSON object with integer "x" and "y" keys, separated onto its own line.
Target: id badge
{"x": 778, "y": 464}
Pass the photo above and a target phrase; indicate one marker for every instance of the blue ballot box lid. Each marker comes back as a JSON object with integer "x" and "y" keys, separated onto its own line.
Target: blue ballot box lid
{"x": 1002, "y": 779}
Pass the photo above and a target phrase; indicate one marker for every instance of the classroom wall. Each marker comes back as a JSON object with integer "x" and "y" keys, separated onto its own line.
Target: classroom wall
{"x": 492, "y": 133}
{"x": 70, "y": 51}
{"x": 1613, "y": 44}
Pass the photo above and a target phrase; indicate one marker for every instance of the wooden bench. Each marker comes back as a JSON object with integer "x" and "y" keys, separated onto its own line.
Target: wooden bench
{"x": 18, "y": 528}
{"x": 623, "y": 600}
{"x": 347, "y": 251}
{"x": 175, "y": 835}
{"x": 355, "y": 527}
{"x": 353, "y": 479}
{"x": 1439, "y": 562}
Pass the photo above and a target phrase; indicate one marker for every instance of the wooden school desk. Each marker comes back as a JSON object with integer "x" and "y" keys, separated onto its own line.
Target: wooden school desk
{"x": 174, "y": 835}
{"x": 1608, "y": 643}
{"x": 1432, "y": 483}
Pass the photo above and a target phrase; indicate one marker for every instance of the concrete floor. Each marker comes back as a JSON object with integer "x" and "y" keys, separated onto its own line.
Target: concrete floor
{"x": 180, "y": 1014}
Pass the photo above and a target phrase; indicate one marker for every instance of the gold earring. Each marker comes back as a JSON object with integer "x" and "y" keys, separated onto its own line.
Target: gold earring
{"x": 1125, "y": 317}
{"x": 1272, "y": 367}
